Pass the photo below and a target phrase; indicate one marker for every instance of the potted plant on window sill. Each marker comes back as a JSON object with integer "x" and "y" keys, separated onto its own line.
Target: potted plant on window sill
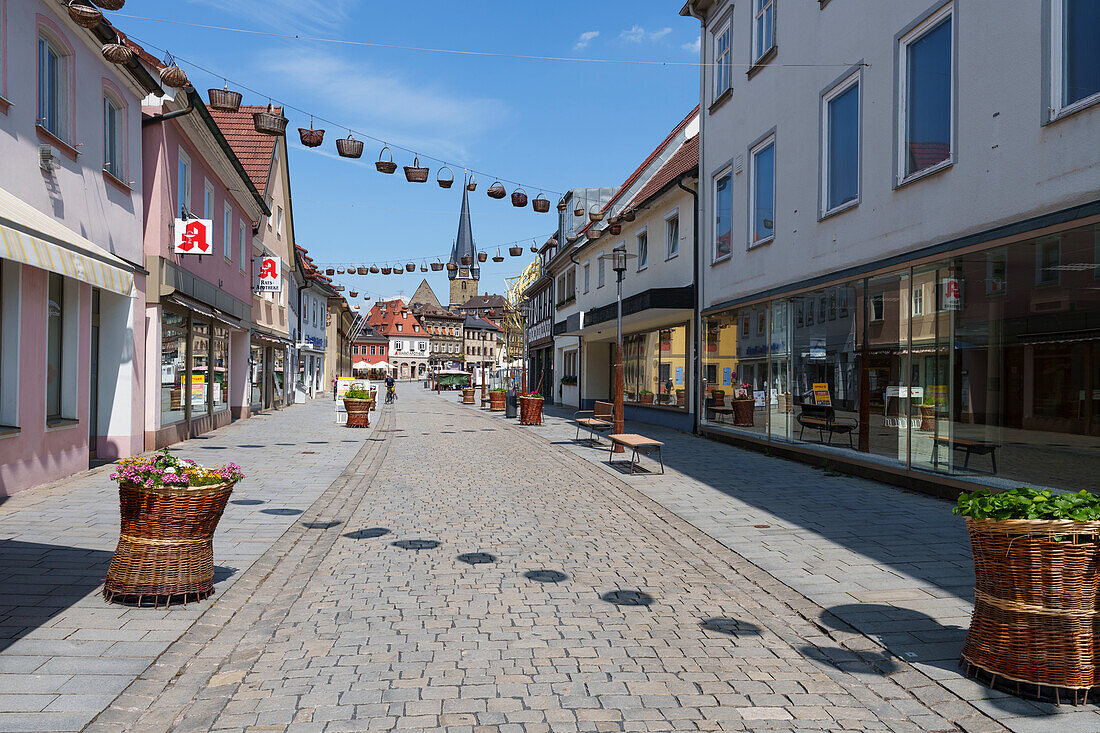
{"x": 1037, "y": 579}
{"x": 169, "y": 509}
{"x": 744, "y": 406}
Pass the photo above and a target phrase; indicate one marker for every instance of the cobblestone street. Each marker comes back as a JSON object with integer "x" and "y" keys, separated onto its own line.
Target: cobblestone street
{"x": 444, "y": 570}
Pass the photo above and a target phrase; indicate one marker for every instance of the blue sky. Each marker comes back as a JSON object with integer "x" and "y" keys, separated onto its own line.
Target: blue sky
{"x": 550, "y": 123}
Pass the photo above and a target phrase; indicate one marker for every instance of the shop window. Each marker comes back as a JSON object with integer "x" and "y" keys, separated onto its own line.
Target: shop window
{"x": 220, "y": 369}
{"x": 925, "y": 89}
{"x": 201, "y": 375}
{"x": 655, "y": 367}
{"x": 840, "y": 170}
{"x": 62, "y": 337}
{"x": 762, "y": 191}
{"x": 723, "y": 215}
{"x": 173, "y": 367}
{"x": 1075, "y": 63}
{"x": 9, "y": 341}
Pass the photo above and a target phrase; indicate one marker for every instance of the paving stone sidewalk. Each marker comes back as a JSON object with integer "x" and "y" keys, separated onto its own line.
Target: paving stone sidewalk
{"x": 891, "y": 563}
{"x": 489, "y": 582}
{"x": 65, "y": 654}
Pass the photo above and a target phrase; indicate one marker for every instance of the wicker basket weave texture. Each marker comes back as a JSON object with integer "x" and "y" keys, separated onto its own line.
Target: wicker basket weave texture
{"x": 1035, "y": 613}
{"x": 165, "y": 546}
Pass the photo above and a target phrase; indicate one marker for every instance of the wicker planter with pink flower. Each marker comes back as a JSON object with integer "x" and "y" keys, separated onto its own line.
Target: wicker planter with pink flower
{"x": 169, "y": 508}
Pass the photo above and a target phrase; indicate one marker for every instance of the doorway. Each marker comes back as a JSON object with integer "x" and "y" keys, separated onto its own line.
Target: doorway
{"x": 93, "y": 382}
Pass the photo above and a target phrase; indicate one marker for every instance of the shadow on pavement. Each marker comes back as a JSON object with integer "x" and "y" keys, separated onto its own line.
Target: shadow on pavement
{"x": 730, "y": 626}
{"x": 416, "y": 544}
{"x": 39, "y": 581}
{"x": 546, "y": 576}
{"x": 476, "y": 558}
{"x": 366, "y": 534}
{"x": 321, "y": 525}
{"x": 627, "y": 598}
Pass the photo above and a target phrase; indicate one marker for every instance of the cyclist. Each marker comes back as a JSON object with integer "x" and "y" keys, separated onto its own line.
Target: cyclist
{"x": 391, "y": 391}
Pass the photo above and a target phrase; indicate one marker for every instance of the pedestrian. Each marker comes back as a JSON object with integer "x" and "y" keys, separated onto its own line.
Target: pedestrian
{"x": 335, "y": 382}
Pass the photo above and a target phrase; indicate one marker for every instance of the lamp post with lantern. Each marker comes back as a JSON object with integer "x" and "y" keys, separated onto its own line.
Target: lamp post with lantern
{"x": 618, "y": 257}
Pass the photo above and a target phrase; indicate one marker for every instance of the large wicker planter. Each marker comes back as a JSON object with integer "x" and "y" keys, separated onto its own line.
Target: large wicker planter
{"x": 496, "y": 401}
{"x": 1035, "y": 603}
{"x": 467, "y": 395}
{"x": 358, "y": 412}
{"x": 530, "y": 410}
{"x": 927, "y": 417}
{"x": 646, "y": 399}
{"x": 743, "y": 412}
{"x": 165, "y": 548}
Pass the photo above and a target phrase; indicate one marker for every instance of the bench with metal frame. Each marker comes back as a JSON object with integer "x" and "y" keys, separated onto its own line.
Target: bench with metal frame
{"x": 823, "y": 419}
{"x": 639, "y": 444}
{"x": 977, "y": 447}
{"x": 603, "y": 419}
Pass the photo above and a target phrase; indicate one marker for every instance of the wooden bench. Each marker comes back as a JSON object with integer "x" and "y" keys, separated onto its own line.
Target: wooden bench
{"x": 603, "y": 417}
{"x": 978, "y": 447}
{"x": 638, "y": 444}
{"x": 823, "y": 419}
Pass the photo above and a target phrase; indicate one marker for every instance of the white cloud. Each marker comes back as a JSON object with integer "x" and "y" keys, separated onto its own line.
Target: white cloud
{"x": 302, "y": 15}
{"x": 383, "y": 102}
{"x": 586, "y": 38}
{"x": 638, "y": 34}
{"x": 692, "y": 47}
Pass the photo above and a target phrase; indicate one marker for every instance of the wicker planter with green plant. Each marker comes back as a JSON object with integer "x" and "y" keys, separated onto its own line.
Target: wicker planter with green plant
{"x": 169, "y": 509}
{"x": 358, "y": 402}
{"x": 927, "y": 409}
{"x": 530, "y": 408}
{"x": 645, "y": 397}
{"x": 1037, "y": 580}
{"x": 744, "y": 406}
{"x": 496, "y": 399}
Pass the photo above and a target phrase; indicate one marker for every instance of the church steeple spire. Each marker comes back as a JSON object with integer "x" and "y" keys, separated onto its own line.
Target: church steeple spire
{"x": 464, "y": 278}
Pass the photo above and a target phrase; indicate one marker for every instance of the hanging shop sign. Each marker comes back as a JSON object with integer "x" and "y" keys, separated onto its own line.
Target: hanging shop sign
{"x": 268, "y": 275}
{"x": 952, "y": 289}
{"x": 194, "y": 237}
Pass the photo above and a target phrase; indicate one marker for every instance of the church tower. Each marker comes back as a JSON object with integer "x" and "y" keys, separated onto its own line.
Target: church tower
{"x": 463, "y": 280}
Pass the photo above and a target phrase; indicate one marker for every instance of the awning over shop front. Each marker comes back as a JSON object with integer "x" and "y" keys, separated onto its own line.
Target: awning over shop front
{"x": 33, "y": 238}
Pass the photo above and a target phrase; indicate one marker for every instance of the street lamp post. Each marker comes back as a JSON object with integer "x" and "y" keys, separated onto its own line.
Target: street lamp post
{"x": 618, "y": 257}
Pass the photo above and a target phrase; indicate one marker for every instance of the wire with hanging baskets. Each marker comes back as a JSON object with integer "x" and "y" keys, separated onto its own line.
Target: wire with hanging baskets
{"x": 498, "y": 257}
{"x": 496, "y": 191}
{"x": 171, "y": 74}
{"x": 445, "y": 181}
{"x": 225, "y": 99}
{"x": 311, "y": 138}
{"x": 540, "y": 203}
{"x": 416, "y": 173}
{"x": 270, "y": 121}
{"x": 349, "y": 147}
{"x": 519, "y": 198}
{"x": 84, "y": 14}
{"x": 117, "y": 52}
{"x": 110, "y": 4}
{"x": 385, "y": 166}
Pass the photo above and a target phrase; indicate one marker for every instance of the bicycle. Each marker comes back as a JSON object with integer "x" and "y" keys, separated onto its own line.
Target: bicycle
{"x": 391, "y": 395}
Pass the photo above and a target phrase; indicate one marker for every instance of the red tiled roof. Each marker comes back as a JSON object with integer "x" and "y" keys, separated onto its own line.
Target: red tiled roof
{"x": 254, "y": 149}
{"x": 686, "y": 158}
{"x": 385, "y": 320}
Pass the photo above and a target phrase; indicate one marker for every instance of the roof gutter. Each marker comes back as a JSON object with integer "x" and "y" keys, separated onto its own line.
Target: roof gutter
{"x": 157, "y": 119}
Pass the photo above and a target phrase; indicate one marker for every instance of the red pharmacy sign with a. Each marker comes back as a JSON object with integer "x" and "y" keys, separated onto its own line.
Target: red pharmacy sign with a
{"x": 194, "y": 237}
{"x": 268, "y": 274}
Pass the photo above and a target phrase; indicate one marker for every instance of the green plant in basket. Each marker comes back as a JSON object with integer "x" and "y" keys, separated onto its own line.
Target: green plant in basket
{"x": 1025, "y": 503}
{"x": 498, "y": 390}
{"x": 357, "y": 393}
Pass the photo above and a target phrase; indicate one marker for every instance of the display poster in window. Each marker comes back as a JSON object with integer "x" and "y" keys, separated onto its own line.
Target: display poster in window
{"x": 951, "y": 289}
{"x": 759, "y": 397}
{"x": 198, "y": 387}
{"x": 679, "y": 375}
{"x": 193, "y": 237}
{"x": 725, "y": 376}
{"x": 268, "y": 275}
{"x": 821, "y": 394}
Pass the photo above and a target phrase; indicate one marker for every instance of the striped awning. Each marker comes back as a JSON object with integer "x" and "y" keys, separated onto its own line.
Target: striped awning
{"x": 33, "y": 238}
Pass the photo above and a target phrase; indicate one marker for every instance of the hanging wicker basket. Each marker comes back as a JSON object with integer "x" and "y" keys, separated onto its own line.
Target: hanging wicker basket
{"x": 482, "y": 256}
{"x": 360, "y": 270}
{"x": 452, "y": 267}
{"x": 498, "y": 257}
{"x": 571, "y": 238}
{"x": 416, "y": 173}
{"x": 578, "y": 209}
{"x": 349, "y": 147}
{"x": 562, "y": 206}
{"x": 385, "y": 166}
{"x": 311, "y": 138}
{"x": 340, "y": 271}
{"x": 540, "y": 204}
{"x": 374, "y": 269}
{"x": 594, "y": 214}
{"x": 330, "y": 271}
{"x": 614, "y": 219}
{"x": 339, "y": 288}
{"x": 387, "y": 270}
{"x": 594, "y": 233}
{"x": 174, "y": 76}
{"x": 534, "y": 249}
{"x": 85, "y": 14}
{"x": 471, "y": 184}
{"x": 445, "y": 181}
{"x": 117, "y": 53}
{"x": 353, "y": 293}
{"x": 269, "y": 122}
{"x": 515, "y": 251}
{"x": 467, "y": 260}
{"x": 519, "y": 198}
{"x": 496, "y": 191}
{"x": 553, "y": 241}
{"x": 423, "y": 268}
{"x": 615, "y": 229}
{"x": 110, "y": 4}
{"x": 410, "y": 267}
{"x": 437, "y": 266}
{"x": 225, "y": 100}
{"x": 630, "y": 216}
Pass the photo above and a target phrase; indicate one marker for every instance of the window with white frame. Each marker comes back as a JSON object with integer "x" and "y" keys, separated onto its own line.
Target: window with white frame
{"x": 723, "y": 215}
{"x": 601, "y": 275}
{"x": 840, "y": 156}
{"x": 183, "y": 184}
{"x": 878, "y": 307}
{"x": 571, "y": 283}
{"x": 1075, "y": 62}
{"x": 672, "y": 234}
{"x": 586, "y": 280}
{"x": 723, "y": 58}
{"x": 54, "y": 87}
{"x": 279, "y": 220}
{"x": 208, "y": 200}
{"x": 926, "y": 92}
{"x": 763, "y": 36}
{"x": 762, "y": 192}
{"x": 242, "y": 242}
{"x": 642, "y": 241}
{"x": 1048, "y": 261}
{"x": 227, "y": 231}
{"x": 113, "y": 141}
{"x": 918, "y": 300}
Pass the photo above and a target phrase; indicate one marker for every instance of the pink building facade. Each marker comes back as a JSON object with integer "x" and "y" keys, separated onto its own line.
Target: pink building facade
{"x": 72, "y": 277}
{"x": 198, "y": 309}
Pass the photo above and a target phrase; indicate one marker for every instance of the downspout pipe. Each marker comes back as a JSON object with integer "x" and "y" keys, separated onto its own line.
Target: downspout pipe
{"x": 697, "y": 318}
{"x": 155, "y": 119}
{"x": 580, "y": 352}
